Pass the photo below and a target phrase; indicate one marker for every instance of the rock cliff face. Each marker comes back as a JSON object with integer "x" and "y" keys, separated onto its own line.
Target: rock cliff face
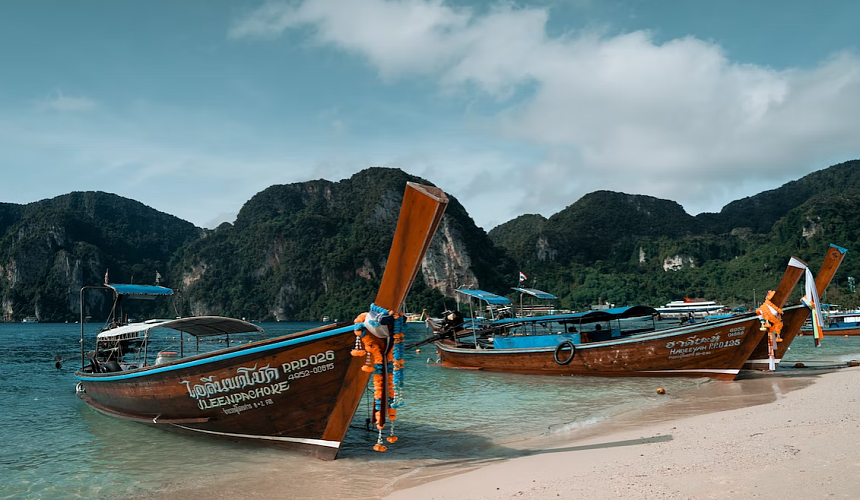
{"x": 448, "y": 264}
{"x": 319, "y": 248}
{"x": 51, "y": 248}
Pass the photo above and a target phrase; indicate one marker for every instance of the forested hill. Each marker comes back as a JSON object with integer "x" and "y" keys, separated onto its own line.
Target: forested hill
{"x": 312, "y": 249}
{"x": 296, "y": 252}
{"x": 50, "y": 248}
{"x": 762, "y": 211}
{"x": 639, "y": 249}
{"x": 603, "y": 225}
{"x": 319, "y": 248}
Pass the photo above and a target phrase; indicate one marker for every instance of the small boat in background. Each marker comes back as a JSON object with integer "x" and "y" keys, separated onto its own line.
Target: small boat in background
{"x": 588, "y": 343}
{"x": 839, "y": 324}
{"x": 417, "y": 318}
{"x": 297, "y": 391}
{"x": 30, "y": 319}
{"x": 689, "y": 308}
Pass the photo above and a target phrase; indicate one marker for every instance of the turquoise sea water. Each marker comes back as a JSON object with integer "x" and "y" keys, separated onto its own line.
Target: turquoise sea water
{"x": 53, "y": 446}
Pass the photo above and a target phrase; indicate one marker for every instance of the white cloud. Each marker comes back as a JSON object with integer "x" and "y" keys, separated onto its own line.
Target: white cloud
{"x": 677, "y": 120}
{"x": 58, "y": 101}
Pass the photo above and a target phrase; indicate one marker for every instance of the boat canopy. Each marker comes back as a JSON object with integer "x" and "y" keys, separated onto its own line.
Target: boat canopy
{"x": 534, "y": 292}
{"x": 146, "y": 290}
{"x": 489, "y": 298}
{"x": 585, "y": 316}
{"x": 198, "y": 326}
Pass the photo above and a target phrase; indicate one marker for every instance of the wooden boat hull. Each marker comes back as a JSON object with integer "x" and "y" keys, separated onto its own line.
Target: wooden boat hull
{"x": 298, "y": 392}
{"x": 839, "y": 331}
{"x": 716, "y": 350}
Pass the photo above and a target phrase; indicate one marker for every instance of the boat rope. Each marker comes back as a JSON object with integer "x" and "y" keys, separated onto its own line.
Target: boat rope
{"x": 376, "y": 322}
{"x": 771, "y": 322}
{"x": 813, "y": 302}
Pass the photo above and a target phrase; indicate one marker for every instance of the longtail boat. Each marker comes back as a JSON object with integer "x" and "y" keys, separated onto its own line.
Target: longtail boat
{"x": 843, "y": 324}
{"x": 771, "y": 349}
{"x": 567, "y": 345}
{"x": 297, "y": 391}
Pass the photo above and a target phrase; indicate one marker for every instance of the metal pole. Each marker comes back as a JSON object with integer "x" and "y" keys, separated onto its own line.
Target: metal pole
{"x": 81, "y": 309}
{"x": 82, "y": 327}
{"x": 474, "y": 331}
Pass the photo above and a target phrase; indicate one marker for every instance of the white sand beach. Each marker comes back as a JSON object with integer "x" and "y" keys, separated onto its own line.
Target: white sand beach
{"x": 806, "y": 444}
{"x": 783, "y": 436}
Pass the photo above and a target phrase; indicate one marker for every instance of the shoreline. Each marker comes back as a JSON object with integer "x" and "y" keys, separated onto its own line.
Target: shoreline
{"x": 803, "y": 444}
{"x": 609, "y": 441}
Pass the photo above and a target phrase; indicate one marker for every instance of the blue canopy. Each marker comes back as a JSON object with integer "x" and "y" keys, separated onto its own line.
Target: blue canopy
{"x": 489, "y": 298}
{"x": 534, "y": 292}
{"x": 141, "y": 290}
{"x": 585, "y": 316}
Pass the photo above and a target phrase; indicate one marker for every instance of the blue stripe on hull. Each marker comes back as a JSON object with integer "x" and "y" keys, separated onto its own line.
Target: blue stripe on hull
{"x": 219, "y": 357}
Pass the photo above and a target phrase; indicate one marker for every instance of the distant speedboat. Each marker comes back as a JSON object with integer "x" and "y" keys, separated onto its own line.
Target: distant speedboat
{"x": 689, "y": 308}
{"x": 30, "y": 319}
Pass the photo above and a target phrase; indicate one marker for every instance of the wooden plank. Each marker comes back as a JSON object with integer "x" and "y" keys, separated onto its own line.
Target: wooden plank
{"x": 420, "y": 215}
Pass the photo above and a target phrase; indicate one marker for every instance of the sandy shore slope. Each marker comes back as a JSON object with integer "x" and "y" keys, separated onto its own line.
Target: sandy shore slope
{"x": 805, "y": 445}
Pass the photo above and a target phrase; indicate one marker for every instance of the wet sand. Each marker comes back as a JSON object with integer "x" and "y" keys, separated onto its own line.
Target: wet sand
{"x": 632, "y": 452}
{"x": 800, "y": 444}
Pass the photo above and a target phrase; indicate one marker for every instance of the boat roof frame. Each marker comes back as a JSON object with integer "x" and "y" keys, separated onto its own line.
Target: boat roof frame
{"x": 489, "y": 298}
{"x": 197, "y": 326}
{"x": 534, "y": 292}
{"x": 596, "y": 316}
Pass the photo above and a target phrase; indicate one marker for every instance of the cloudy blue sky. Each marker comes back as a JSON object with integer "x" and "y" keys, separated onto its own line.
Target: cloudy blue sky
{"x": 192, "y": 107}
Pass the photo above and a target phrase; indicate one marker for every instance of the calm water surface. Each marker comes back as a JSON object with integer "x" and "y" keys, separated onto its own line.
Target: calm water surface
{"x": 53, "y": 446}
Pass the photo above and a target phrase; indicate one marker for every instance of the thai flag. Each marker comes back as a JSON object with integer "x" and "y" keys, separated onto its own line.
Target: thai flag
{"x": 522, "y": 277}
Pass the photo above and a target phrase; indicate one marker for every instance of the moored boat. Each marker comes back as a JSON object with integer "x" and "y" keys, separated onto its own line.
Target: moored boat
{"x": 689, "y": 308}
{"x": 769, "y": 352}
{"x": 298, "y": 391}
{"x": 716, "y": 349}
{"x": 839, "y": 324}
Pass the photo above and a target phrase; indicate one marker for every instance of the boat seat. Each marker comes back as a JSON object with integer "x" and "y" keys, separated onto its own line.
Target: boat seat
{"x": 111, "y": 366}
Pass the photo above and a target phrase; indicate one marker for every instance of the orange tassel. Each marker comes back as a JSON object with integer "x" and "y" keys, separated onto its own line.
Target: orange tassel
{"x": 380, "y": 448}
{"x": 391, "y": 439}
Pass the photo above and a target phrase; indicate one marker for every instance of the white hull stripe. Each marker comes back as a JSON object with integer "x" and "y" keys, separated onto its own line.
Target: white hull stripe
{"x": 315, "y": 442}
{"x": 766, "y": 360}
{"x": 699, "y": 370}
